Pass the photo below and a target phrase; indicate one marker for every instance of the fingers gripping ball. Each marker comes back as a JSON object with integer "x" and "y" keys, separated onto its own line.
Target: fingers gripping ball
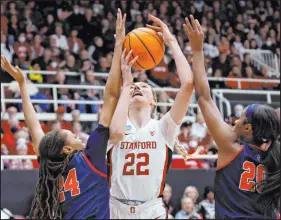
{"x": 146, "y": 44}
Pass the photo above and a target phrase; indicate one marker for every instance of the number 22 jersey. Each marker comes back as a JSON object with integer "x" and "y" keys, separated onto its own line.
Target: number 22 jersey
{"x": 235, "y": 191}
{"x": 139, "y": 163}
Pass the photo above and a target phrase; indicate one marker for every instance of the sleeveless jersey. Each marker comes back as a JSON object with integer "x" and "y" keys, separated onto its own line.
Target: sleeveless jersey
{"x": 84, "y": 190}
{"x": 139, "y": 163}
{"x": 235, "y": 191}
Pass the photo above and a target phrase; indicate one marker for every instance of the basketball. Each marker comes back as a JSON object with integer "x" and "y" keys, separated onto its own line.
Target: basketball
{"x": 146, "y": 44}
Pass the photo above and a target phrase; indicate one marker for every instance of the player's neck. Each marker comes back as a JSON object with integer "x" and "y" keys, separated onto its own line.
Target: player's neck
{"x": 140, "y": 116}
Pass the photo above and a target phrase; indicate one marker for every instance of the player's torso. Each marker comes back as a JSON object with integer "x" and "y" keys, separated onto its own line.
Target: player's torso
{"x": 235, "y": 190}
{"x": 139, "y": 163}
{"x": 83, "y": 192}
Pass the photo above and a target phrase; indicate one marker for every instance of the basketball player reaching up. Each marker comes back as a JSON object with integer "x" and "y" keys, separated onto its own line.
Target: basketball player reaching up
{"x": 139, "y": 163}
{"x": 72, "y": 180}
{"x": 247, "y": 183}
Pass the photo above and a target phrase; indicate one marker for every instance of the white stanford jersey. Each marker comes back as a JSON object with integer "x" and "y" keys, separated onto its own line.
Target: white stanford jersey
{"x": 139, "y": 163}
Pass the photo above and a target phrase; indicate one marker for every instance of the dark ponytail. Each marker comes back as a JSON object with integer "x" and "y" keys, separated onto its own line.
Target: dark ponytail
{"x": 46, "y": 203}
{"x": 266, "y": 128}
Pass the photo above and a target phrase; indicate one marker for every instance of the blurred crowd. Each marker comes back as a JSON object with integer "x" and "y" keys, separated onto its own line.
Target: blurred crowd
{"x": 78, "y": 36}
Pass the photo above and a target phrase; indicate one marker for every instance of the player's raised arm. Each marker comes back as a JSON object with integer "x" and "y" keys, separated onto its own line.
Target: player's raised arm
{"x": 119, "y": 120}
{"x": 113, "y": 84}
{"x": 222, "y": 133}
{"x": 30, "y": 116}
{"x": 180, "y": 105}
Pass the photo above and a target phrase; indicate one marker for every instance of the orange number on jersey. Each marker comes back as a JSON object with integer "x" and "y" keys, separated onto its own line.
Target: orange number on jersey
{"x": 71, "y": 183}
{"x": 142, "y": 164}
{"x": 247, "y": 182}
{"x": 139, "y": 170}
{"x": 131, "y": 162}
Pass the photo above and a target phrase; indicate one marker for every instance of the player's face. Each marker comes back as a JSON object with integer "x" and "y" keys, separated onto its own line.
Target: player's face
{"x": 73, "y": 142}
{"x": 243, "y": 129}
{"x": 142, "y": 93}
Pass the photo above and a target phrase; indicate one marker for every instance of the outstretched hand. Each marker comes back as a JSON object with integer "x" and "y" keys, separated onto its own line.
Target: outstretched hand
{"x": 120, "y": 27}
{"x": 126, "y": 67}
{"x": 162, "y": 29}
{"x": 194, "y": 33}
{"x": 15, "y": 72}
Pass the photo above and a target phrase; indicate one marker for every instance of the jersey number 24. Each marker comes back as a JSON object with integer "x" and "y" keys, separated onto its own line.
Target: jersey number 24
{"x": 70, "y": 184}
{"x": 251, "y": 172}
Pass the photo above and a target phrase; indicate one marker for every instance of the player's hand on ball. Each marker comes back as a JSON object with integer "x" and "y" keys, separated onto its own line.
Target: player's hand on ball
{"x": 15, "y": 72}
{"x": 120, "y": 27}
{"x": 162, "y": 30}
{"x": 126, "y": 67}
{"x": 195, "y": 33}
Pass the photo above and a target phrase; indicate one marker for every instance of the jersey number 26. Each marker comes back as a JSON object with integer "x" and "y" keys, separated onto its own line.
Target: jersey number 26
{"x": 140, "y": 165}
{"x": 71, "y": 184}
{"x": 251, "y": 172}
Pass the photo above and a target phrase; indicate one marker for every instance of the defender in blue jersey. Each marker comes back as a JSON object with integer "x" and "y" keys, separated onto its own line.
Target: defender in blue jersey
{"x": 247, "y": 183}
{"x": 72, "y": 179}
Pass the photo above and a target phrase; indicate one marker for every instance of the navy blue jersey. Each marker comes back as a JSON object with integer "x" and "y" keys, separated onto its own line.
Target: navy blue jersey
{"x": 235, "y": 191}
{"x": 84, "y": 190}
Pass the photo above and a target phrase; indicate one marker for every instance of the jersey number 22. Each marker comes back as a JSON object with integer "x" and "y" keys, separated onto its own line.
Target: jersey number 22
{"x": 140, "y": 165}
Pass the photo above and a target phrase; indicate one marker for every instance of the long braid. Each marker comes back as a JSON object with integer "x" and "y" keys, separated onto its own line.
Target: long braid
{"x": 46, "y": 203}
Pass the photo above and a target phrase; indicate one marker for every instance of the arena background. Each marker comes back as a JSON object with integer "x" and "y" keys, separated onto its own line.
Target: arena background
{"x": 65, "y": 48}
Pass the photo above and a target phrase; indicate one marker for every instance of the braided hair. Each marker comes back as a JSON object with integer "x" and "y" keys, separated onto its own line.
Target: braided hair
{"x": 46, "y": 203}
{"x": 266, "y": 129}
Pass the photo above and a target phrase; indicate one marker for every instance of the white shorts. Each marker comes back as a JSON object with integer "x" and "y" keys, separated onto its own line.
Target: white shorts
{"x": 153, "y": 209}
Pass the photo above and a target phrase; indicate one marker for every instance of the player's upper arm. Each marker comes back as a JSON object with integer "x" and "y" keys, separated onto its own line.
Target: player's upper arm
{"x": 36, "y": 139}
{"x": 181, "y": 103}
{"x": 223, "y": 134}
{"x": 108, "y": 108}
{"x": 169, "y": 129}
{"x": 96, "y": 146}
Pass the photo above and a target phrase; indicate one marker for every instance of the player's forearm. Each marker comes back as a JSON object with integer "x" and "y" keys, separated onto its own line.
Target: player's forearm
{"x": 183, "y": 67}
{"x": 112, "y": 87}
{"x": 30, "y": 116}
{"x": 200, "y": 77}
{"x": 119, "y": 120}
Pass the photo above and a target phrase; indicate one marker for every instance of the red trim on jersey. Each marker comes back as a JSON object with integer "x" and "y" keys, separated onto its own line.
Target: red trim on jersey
{"x": 228, "y": 162}
{"x": 110, "y": 166}
{"x": 92, "y": 166}
{"x": 164, "y": 171}
{"x": 259, "y": 148}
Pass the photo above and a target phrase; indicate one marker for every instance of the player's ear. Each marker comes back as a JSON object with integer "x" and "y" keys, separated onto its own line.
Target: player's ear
{"x": 67, "y": 149}
{"x": 247, "y": 127}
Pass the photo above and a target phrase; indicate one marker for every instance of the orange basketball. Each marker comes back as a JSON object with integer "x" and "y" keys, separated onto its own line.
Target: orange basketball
{"x": 146, "y": 44}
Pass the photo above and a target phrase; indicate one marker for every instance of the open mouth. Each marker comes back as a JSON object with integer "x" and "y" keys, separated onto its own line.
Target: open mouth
{"x": 137, "y": 93}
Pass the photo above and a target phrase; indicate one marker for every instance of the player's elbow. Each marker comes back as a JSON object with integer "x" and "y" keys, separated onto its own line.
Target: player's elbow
{"x": 187, "y": 86}
{"x": 204, "y": 93}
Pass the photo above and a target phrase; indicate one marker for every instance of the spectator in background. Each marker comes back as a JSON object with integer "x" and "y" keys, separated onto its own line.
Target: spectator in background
{"x": 13, "y": 29}
{"x": 103, "y": 66}
{"x": 75, "y": 44}
{"x": 21, "y": 164}
{"x": 192, "y": 192}
{"x": 23, "y": 50}
{"x": 4, "y": 21}
{"x": 91, "y": 80}
{"x": 35, "y": 77}
{"x": 199, "y": 128}
{"x": 6, "y": 49}
{"x": 278, "y": 112}
{"x": 77, "y": 130}
{"x": 167, "y": 196}
{"x": 61, "y": 41}
{"x": 238, "y": 109}
{"x": 183, "y": 137}
{"x": 235, "y": 74}
{"x": 207, "y": 206}
{"x": 36, "y": 47}
{"x": 187, "y": 210}
{"x": 60, "y": 117}
{"x": 56, "y": 125}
